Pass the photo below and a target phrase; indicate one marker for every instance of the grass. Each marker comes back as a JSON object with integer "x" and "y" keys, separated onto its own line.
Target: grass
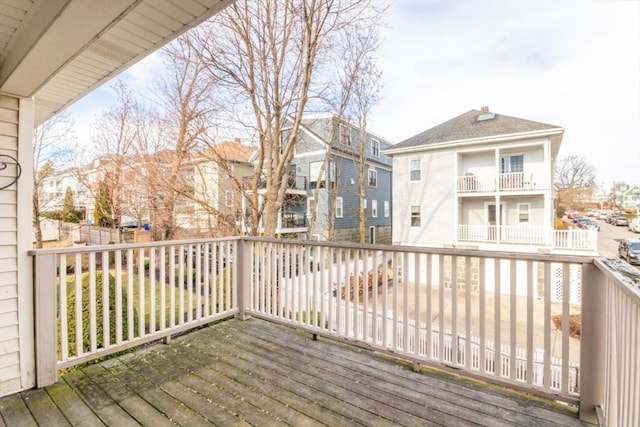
{"x": 138, "y": 300}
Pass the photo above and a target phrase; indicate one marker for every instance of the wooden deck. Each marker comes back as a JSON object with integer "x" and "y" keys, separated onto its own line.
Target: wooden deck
{"x": 262, "y": 374}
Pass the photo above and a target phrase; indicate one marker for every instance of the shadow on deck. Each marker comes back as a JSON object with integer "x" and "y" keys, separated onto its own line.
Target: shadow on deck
{"x": 259, "y": 373}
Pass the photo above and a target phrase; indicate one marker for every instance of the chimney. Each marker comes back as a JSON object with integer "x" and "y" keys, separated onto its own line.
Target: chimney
{"x": 484, "y": 109}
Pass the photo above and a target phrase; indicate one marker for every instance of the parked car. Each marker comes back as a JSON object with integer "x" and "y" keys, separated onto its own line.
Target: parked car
{"x": 589, "y": 224}
{"x": 611, "y": 218}
{"x": 126, "y": 222}
{"x": 621, "y": 220}
{"x": 602, "y": 215}
{"x": 634, "y": 225}
{"x": 629, "y": 249}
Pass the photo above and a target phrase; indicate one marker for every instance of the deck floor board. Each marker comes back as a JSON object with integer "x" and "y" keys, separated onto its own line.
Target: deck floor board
{"x": 241, "y": 373}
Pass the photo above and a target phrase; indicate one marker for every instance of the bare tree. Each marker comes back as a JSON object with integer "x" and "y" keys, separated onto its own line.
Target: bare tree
{"x": 186, "y": 101}
{"x": 272, "y": 57}
{"x": 50, "y": 146}
{"x": 574, "y": 181}
{"x": 365, "y": 88}
{"x": 114, "y": 137}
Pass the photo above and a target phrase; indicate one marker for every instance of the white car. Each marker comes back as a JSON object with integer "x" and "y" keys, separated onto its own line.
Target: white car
{"x": 634, "y": 225}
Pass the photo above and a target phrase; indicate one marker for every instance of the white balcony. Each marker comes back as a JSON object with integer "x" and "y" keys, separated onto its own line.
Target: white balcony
{"x": 580, "y": 240}
{"x": 504, "y": 182}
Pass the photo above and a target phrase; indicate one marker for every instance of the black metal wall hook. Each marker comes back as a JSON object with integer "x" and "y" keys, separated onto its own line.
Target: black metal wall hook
{"x": 4, "y": 164}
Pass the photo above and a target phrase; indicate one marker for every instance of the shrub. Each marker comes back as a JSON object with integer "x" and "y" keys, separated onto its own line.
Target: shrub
{"x": 86, "y": 332}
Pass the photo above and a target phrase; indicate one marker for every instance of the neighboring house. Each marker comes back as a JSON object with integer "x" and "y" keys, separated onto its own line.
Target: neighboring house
{"x": 53, "y": 188}
{"x": 630, "y": 198}
{"x": 213, "y": 176}
{"x": 218, "y": 175}
{"x": 480, "y": 180}
{"x": 334, "y": 194}
{"x": 322, "y": 201}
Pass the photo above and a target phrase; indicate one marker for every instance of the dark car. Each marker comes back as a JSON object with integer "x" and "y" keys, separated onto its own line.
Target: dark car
{"x": 629, "y": 249}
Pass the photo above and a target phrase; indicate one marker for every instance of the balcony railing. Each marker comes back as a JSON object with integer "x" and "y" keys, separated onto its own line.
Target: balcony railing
{"x": 584, "y": 240}
{"x": 515, "y": 181}
{"x": 503, "y": 317}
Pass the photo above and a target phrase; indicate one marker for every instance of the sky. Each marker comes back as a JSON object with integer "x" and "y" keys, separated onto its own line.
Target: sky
{"x": 574, "y": 64}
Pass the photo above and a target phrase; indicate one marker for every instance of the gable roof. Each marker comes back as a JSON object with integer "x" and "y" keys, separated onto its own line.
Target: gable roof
{"x": 467, "y": 128}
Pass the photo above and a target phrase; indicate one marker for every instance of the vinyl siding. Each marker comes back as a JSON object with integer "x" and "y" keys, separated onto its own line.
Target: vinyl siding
{"x": 434, "y": 193}
{"x": 9, "y": 331}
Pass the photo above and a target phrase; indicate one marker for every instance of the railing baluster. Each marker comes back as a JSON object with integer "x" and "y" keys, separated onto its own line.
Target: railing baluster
{"x": 513, "y": 317}
{"x": 163, "y": 285}
{"x": 141, "y": 293}
{"x": 78, "y": 304}
{"x": 117, "y": 259}
{"x": 566, "y": 298}
{"x": 530, "y": 321}
{"x": 106, "y": 335}
{"x": 497, "y": 316}
{"x": 62, "y": 306}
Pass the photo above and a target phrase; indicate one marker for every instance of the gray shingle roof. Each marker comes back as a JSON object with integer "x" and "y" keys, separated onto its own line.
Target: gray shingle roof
{"x": 466, "y": 126}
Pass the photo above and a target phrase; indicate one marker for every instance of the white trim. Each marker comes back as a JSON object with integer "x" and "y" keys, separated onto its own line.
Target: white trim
{"x": 474, "y": 141}
{"x": 519, "y": 206}
{"x": 339, "y": 202}
{"x": 387, "y": 210}
{"x": 26, "y": 117}
{"x": 374, "y": 208}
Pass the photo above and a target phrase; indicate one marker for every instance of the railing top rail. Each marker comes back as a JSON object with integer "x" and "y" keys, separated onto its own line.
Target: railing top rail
{"x": 621, "y": 273}
{"x": 474, "y": 253}
{"x": 121, "y": 246}
{"x": 453, "y": 251}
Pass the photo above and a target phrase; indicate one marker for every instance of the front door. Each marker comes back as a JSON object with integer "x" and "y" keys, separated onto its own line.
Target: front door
{"x": 493, "y": 233}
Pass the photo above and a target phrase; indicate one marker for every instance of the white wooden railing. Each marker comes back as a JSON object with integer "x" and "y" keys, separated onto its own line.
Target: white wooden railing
{"x": 585, "y": 240}
{"x": 97, "y": 300}
{"x": 514, "y": 181}
{"x": 93, "y": 301}
{"x": 618, "y": 323}
{"x": 439, "y": 290}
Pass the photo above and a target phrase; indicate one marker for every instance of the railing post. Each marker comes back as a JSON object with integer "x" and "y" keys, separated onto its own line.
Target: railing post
{"x": 243, "y": 270}
{"x": 592, "y": 342}
{"x": 45, "y": 319}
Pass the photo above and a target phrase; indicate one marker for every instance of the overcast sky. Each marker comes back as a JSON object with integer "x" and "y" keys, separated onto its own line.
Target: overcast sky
{"x": 574, "y": 64}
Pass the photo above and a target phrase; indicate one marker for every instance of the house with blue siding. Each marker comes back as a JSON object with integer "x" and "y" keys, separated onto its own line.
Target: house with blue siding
{"x": 329, "y": 154}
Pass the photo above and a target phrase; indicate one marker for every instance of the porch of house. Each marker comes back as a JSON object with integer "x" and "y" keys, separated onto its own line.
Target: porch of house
{"x": 505, "y": 320}
{"x": 256, "y": 372}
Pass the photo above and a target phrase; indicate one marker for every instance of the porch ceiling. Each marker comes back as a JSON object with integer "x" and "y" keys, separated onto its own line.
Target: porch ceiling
{"x": 56, "y": 51}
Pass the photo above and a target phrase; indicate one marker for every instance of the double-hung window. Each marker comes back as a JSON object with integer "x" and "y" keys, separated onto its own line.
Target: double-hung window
{"x": 375, "y": 148}
{"x": 339, "y": 207}
{"x": 523, "y": 213}
{"x": 228, "y": 198}
{"x": 373, "y": 177}
{"x": 415, "y": 170}
{"x": 512, "y": 164}
{"x": 415, "y": 216}
{"x": 374, "y": 208}
{"x": 345, "y": 135}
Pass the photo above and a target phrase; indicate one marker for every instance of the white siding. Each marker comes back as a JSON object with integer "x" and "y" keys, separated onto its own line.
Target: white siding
{"x": 9, "y": 332}
{"x": 16, "y": 288}
{"x": 434, "y": 193}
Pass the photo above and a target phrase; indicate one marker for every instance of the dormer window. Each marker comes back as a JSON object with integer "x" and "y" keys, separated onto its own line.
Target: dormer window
{"x": 345, "y": 135}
